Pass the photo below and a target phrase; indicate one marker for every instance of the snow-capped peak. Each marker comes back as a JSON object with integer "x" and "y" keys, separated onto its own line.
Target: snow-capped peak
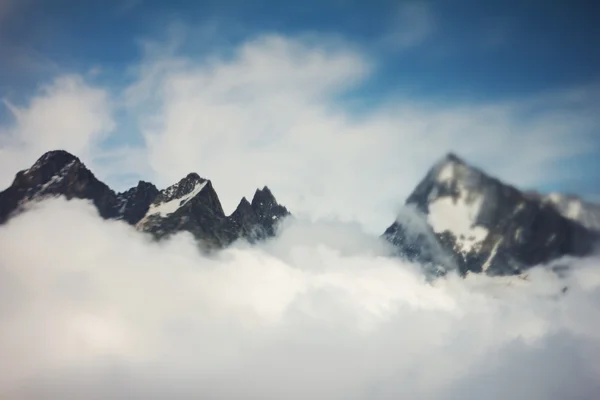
{"x": 490, "y": 226}
{"x": 452, "y": 196}
{"x": 176, "y": 196}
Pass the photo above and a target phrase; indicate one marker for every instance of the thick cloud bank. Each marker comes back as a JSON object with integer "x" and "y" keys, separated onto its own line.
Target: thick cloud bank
{"x": 91, "y": 309}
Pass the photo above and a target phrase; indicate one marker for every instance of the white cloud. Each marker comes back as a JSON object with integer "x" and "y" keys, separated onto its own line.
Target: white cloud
{"x": 67, "y": 114}
{"x": 285, "y": 112}
{"x": 274, "y": 112}
{"x": 98, "y": 311}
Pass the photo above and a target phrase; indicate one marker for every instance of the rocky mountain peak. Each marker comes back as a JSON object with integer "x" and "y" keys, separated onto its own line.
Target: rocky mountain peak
{"x": 267, "y": 209}
{"x": 487, "y": 225}
{"x": 184, "y": 188}
{"x": 57, "y": 173}
{"x": 53, "y": 160}
{"x": 243, "y": 206}
{"x": 134, "y": 203}
{"x": 263, "y": 198}
{"x": 50, "y": 165}
{"x": 190, "y": 205}
{"x": 244, "y": 213}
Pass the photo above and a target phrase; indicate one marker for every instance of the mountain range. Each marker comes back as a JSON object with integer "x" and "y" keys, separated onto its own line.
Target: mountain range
{"x": 189, "y": 205}
{"x": 458, "y": 217}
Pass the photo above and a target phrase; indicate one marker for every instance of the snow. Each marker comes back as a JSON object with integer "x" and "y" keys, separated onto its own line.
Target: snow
{"x": 53, "y": 180}
{"x": 570, "y": 208}
{"x": 488, "y": 262}
{"x": 446, "y": 174}
{"x": 169, "y": 207}
{"x": 122, "y": 205}
{"x": 574, "y": 209}
{"x": 56, "y": 178}
{"x": 458, "y": 217}
{"x": 519, "y": 208}
{"x": 556, "y": 198}
{"x": 518, "y": 233}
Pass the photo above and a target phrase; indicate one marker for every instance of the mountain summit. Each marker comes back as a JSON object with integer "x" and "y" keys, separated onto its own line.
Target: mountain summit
{"x": 189, "y": 205}
{"x": 483, "y": 225}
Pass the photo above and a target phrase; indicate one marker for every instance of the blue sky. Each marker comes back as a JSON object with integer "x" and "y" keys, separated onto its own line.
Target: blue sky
{"x": 479, "y": 49}
{"x": 497, "y": 69}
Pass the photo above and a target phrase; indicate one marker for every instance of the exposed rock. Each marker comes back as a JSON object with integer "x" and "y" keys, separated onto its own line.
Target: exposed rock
{"x": 486, "y": 225}
{"x": 190, "y": 205}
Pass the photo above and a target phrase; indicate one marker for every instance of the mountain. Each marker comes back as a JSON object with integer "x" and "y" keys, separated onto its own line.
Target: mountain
{"x": 573, "y": 207}
{"x": 190, "y": 205}
{"x": 193, "y": 205}
{"x": 60, "y": 173}
{"x": 474, "y": 222}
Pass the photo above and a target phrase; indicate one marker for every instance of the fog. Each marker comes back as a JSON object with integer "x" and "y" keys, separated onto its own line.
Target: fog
{"x": 92, "y": 309}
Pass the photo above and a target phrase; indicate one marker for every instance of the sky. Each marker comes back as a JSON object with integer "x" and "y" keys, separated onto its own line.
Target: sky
{"x": 340, "y": 107}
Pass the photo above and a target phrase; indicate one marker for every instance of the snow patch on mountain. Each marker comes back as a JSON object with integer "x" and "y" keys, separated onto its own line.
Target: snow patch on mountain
{"x": 169, "y": 207}
{"x": 446, "y": 173}
{"x": 458, "y": 217}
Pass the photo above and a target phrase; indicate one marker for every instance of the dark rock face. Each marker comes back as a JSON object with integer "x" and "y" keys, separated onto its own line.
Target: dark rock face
{"x": 190, "y": 205}
{"x": 573, "y": 208}
{"x": 267, "y": 211}
{"x": 57, "y": 173}
{"x": 487, "y": 226}
{"x": 134, "y": 203}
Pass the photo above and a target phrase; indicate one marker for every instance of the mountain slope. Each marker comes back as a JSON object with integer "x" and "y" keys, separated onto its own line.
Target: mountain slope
{"x": 189, "y": 205}
{"x": 485, "y": 225}
{"x": 59, "y": 173}
{"x": 573, "y": 208}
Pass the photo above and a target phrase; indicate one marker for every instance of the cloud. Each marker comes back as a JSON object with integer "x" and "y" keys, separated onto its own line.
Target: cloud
{"x": 93, "y": 309}
{"x": 282, "y": 111}
{"x": 66, "y": 114}
{"x": 288, "y": 112}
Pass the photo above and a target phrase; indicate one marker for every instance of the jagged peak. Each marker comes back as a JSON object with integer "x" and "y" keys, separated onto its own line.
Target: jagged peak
{"x": 244, "y": 201}
{"x": 191, "y": 182}
{"x": 453, "y": 158}
{"x": 452, "y": 169}
{"x": 144, "y": 183}
{"x": 53, "y": 154}
{"x": 58, "y": 159}
{"x": 262, "y": 196}
{"x": 141, "y": 186}
{"x": 243, "y": 207}
{"x": 193, "y": 176}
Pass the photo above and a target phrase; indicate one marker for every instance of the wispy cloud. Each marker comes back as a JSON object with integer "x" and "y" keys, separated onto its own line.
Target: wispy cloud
{"x": 66, "y": 114}
{"x": 272, "y": 111}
